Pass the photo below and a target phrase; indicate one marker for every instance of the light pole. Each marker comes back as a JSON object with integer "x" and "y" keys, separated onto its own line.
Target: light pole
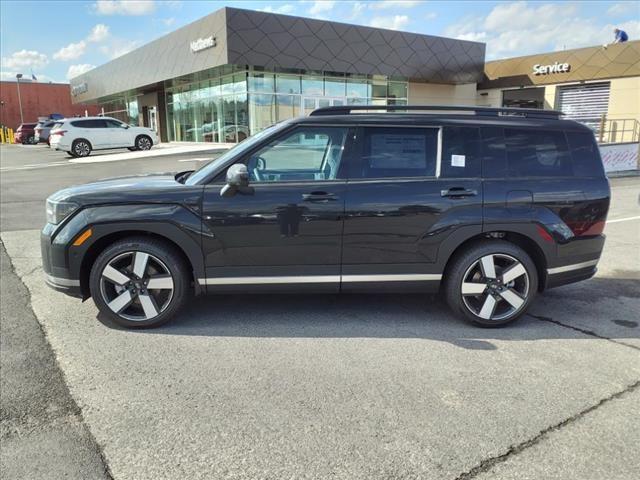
{"x": 18, "y": 77}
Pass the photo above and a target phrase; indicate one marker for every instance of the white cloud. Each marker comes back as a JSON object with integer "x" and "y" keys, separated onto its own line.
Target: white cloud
{"x": 519, "y": 28}
{"x": 119, "y": 47}
{"x": 75, "y": 70}
{"x": 385, "y": 4}
{"x": 357, "y": 10}
{"x": 397, "y": 22}
{"x": 71, "y": 51}
{"x": 321, "y": 6}
{"x": 286, "y": 8}
{"x": 430, "y": 16}
{"x": 24, "y": 59}
{"x": 169, "y": 21}
{"x": 625, "y": 8}
{"x": 124, "y": 7}
{"x": 98, "y": 33}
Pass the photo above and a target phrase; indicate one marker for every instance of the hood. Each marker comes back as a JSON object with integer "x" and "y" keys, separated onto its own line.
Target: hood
{"x": 152, "y": 188}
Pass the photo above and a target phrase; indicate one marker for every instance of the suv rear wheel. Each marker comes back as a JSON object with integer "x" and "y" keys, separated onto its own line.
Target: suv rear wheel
{"x": 139, "y": 282}
{"x": 491, "y": 283}
{"x": 81, "y": 148}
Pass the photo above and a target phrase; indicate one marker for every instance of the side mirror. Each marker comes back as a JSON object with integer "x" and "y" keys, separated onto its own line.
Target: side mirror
{"x": 237, "y": 181}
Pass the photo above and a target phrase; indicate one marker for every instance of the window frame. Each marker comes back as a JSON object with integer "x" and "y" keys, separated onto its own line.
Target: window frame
{"x": 347, "y": 153}
{"x": 359, "y": 146}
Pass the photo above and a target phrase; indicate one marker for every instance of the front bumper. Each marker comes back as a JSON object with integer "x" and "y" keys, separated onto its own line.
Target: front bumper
{"x": 55, "y": 264}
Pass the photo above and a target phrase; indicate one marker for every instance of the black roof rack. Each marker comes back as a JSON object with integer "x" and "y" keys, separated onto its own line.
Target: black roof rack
{"x": 484, "y": 111}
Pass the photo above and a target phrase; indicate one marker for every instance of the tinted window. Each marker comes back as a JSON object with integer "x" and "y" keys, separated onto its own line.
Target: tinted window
{"x": 537, "y": 153}
{"x": 306, "y": 154}
{"x": 585, "y": 154}
{"x": 114, "y": 124}
{"x": 494, "y": 153}
{"x": 460, "y": 152}
{"x": 399, "y": 152}
{"x": 95, "y": 123}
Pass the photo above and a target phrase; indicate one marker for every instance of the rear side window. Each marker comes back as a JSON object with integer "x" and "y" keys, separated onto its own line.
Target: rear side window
{"x": 460, "y": 152}
{"x": 399, "y": 152}
{"x": 537, "y": 153}
{"x": 585, "y": 154}
{"x": 94, "y": 123}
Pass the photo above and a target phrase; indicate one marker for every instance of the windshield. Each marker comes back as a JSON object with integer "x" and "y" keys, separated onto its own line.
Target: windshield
{"x": 202, "y": 173}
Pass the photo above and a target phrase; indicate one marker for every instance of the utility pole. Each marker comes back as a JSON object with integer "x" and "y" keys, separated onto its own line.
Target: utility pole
{"x": 18, "y": 77}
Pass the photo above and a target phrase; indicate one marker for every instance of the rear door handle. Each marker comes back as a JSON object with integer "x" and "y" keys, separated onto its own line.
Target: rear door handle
{"x": 318, "y": 197}
{"x": 458, "y": 192}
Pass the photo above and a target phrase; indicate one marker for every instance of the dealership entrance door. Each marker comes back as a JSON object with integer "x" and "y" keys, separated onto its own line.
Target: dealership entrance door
{"x": 309, "y": 104}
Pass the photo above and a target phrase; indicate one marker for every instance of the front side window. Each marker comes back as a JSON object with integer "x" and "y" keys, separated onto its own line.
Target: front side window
{"x": 305, "y": 154}
{"x": 114, "y": 124}
{"x": 399, "y": 152}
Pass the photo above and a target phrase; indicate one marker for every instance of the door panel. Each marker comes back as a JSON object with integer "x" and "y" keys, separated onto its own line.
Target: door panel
{"x": 396, "y": 221}
{"x": 286, "y": 229}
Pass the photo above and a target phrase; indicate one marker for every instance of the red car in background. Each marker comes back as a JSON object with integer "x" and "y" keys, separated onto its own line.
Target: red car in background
{"x": 25, "y": 134}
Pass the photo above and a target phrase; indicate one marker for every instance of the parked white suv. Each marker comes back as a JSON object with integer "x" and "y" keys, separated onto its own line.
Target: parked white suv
{"x": 80, "y": 136}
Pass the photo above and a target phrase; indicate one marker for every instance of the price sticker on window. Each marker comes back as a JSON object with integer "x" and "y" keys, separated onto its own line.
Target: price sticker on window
{"x": 457, "y": 160}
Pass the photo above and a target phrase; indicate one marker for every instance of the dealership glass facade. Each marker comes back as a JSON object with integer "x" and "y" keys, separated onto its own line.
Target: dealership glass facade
{"x": 227, "y": 104}
{"x": 123, "y": 107}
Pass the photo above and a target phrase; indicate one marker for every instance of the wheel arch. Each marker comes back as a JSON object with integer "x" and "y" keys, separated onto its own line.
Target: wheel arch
{"x": 530, "y": 246}
{"x": 101, "y": 243}
{"x": 75, "y": 140}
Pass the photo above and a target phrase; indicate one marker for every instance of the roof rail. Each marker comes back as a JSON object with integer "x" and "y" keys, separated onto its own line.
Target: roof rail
{"x": 483, "y": 111}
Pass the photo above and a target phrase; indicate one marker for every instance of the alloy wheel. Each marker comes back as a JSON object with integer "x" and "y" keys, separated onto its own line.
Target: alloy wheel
{"x": 81, "y": 149}
{"x": 495, "y": 287}
{"x": 144, "y": 143}
{"x": 136, "y": 285}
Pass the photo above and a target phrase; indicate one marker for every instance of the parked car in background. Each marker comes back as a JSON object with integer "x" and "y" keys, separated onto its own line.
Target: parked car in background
{"x": 43, "y": 129}
{"x": 25, "y": 134}
{"x": 80, "y": 136}
{"x": 484, "y": 206}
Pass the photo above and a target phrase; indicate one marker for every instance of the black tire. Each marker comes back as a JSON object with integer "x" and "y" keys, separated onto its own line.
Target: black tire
{"x": 143, "y": 142}
{"x": 132, "y": 149}
{"x": 81, "y": 148}
{"x": 469, "y": 265}
{"x": 159, "y": 253}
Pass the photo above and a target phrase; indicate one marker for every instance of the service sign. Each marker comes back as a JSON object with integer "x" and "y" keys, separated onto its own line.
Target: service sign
{"x": 203, "y": 44}
{"x": 547, "y": 69}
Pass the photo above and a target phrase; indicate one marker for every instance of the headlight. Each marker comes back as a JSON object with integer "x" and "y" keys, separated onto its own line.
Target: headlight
{"x": 57, "y": 210}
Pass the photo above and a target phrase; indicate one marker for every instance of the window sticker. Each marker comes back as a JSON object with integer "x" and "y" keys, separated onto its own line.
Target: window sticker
{"x": 398, "y": 151}
{"x": 457, "y": 160}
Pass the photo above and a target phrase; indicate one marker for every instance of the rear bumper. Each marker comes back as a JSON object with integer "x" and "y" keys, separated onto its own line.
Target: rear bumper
{"x": 576, "y": 261}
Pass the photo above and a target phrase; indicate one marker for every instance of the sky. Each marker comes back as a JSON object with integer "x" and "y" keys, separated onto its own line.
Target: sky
{"x": 57, "y": 40}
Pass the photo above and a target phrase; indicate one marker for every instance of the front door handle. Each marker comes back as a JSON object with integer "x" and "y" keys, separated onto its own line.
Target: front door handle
{"x": 458, "y": 192}
{"x": 318, "y": 197}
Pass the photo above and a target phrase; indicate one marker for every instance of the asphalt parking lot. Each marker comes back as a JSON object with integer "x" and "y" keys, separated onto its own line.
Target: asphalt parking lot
{"x": 347, "y": 387}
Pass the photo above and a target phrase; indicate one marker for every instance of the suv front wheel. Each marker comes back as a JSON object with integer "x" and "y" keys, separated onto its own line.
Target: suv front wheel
{"x": 491, "y": 283}
{"x": 143, "y": 143}
{"x": 139, "y": 282}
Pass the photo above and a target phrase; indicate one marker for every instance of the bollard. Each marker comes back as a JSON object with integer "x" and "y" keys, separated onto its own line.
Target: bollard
{"x": 11, "y": 136}
{"x": 2, "y": 135}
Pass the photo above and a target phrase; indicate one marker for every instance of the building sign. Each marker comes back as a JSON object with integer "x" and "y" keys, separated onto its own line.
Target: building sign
{"x": 547, "y": 69}
{"x": 203, "y": 44}
{"x": 80, "y": 88}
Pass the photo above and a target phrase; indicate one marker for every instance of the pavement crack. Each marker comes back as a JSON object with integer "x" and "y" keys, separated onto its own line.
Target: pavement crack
{"x": 582, "y": 330}
{"x": 490, "y": 462}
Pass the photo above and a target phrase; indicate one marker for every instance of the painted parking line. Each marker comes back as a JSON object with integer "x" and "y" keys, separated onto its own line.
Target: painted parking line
{"x": 637, "y": 217}
{"x": 36, "y": 166}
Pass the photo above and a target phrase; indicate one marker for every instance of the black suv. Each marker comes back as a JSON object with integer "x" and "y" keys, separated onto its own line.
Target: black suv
{"x": 488, "y": 206}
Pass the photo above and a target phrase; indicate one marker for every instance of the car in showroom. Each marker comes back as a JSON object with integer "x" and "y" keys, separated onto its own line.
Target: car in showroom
{"x": 484, "y": 206}
{"x": 82, "y": 135}
{"x": 42, "y": 130}
{"x": 25, "y": 134}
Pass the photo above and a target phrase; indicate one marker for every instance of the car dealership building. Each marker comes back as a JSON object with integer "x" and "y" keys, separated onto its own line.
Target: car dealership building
{"x": 234, "y": 72}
